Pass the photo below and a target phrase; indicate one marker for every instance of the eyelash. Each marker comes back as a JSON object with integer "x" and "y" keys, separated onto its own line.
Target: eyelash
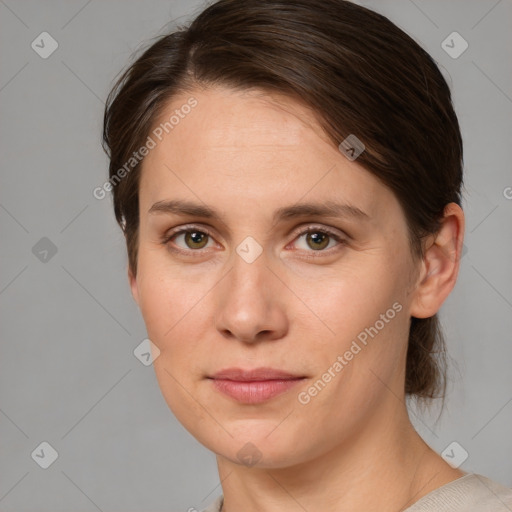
{"x": 310, "y": 229}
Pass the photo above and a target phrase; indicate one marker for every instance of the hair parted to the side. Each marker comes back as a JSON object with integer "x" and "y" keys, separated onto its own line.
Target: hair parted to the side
{"x": 358, "y": 72}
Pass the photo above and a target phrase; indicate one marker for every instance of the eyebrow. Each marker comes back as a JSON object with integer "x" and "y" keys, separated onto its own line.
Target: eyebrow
{"x": 324, "y": 209}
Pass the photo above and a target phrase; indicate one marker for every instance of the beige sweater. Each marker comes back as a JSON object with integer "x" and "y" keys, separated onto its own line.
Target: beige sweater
{"x": 469, "y": 493}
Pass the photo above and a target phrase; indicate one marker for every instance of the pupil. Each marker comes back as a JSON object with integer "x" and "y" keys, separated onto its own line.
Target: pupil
{"x": 319, "y": 238}
{"x": 196, "y": 237}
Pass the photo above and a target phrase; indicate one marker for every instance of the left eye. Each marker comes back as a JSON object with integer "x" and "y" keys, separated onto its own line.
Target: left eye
{"x": 318, "y": 239}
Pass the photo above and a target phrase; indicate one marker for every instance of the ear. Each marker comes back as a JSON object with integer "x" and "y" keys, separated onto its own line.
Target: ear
{"x": 133, "y": 285}
{"x": 440, "y": 264}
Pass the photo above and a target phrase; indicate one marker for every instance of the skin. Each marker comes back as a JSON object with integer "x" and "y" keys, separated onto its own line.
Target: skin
{"x": 352, "y": 447}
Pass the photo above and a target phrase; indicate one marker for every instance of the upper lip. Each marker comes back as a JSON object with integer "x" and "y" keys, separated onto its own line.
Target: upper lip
{"x": 257, "y": 374}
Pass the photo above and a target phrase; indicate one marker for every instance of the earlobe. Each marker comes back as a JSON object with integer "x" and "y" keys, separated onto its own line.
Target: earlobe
{"x": 440, "y": 264}
{"x": 133, "y": 285}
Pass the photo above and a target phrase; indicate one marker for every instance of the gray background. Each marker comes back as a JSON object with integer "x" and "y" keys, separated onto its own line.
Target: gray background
{"x": 68, "y": 375}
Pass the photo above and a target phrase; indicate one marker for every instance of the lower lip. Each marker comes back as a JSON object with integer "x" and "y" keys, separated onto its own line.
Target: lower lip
{"x": 254, "y": 392}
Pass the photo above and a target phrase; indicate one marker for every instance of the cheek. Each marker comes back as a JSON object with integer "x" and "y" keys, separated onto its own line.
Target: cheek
{"x": 170, "y": 308}
{"x": 166, "y": 292}
{"x": 351, "y": 297}
{"x": 176, "y": 322}
{"x": 360, "y": 315}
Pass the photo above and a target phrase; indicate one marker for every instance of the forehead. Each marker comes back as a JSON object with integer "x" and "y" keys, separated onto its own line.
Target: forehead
{"x": 231, "y": 119}
{"x": 239, "y": 148}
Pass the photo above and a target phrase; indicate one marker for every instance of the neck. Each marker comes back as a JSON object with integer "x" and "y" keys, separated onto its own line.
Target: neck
{"x": 384, "y": 467}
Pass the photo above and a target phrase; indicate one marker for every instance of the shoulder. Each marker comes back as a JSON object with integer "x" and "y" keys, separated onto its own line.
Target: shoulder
{"x": 469, "y": 493}
{"x": 215, "y": 506}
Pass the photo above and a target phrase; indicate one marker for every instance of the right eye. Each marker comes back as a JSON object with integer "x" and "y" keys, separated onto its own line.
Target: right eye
{"x": 192, "y": 239}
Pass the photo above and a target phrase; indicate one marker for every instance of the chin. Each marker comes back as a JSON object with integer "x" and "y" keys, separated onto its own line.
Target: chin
{"x": 255, "y": 447}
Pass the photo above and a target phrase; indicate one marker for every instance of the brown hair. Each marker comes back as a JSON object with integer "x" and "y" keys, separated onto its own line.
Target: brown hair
{"x": 357, "y": 71}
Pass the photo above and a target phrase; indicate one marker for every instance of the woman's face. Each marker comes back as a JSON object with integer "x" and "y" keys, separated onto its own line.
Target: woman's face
{"x": 248, "y": 287}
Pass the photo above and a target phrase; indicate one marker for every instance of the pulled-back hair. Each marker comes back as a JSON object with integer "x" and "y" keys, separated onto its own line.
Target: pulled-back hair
{"x": 358, "y": 72}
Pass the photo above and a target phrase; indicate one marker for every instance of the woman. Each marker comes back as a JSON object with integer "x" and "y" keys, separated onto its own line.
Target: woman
{"x": 287, "y": 175}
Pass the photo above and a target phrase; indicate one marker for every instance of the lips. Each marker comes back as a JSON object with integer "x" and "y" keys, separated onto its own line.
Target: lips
{"x": 258, "y": 374}
{"x": 254, "y": 386}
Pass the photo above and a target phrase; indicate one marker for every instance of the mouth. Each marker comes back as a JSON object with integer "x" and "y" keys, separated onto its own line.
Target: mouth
{"x": 254, "y": 386}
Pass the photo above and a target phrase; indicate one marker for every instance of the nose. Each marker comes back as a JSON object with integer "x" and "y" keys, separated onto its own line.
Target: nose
{"x": 250, "y": 302}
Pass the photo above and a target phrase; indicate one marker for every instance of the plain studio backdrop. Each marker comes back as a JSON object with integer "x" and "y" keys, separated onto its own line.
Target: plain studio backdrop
{"x": 71, "y": 386}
